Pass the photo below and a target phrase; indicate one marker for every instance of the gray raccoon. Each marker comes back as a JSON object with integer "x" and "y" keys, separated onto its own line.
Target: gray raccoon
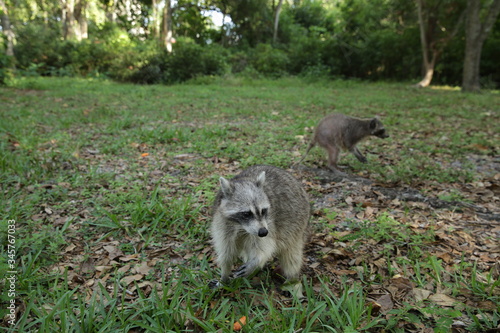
{"x": 261, "y": 213}
{"x": 338, "y": 132}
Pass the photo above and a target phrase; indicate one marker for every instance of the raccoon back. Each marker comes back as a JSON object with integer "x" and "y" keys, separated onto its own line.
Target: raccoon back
{"x": 341, "y": 130}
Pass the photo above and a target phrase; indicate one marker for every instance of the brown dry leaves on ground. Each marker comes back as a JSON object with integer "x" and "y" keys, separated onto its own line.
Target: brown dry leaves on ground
{"x": 468, "y": 232}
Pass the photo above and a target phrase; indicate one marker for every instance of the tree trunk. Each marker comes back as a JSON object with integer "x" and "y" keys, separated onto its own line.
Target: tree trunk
{"x": 276, "y": 21}
{"x": 223, "y": 37}
{"x": 154, "y": 24}
{"x": 167, "y": 26}
{"x": 428, "y": 66}
{"x": 81, "y": 18}
{"x": 7, "y": 29}
{"x": 432, "y": 46}
{"x": 428, "y": 70}
{"x": 69, "y": 19}
{"x": 475, "y": 35}
{"x": 111, "y": 12}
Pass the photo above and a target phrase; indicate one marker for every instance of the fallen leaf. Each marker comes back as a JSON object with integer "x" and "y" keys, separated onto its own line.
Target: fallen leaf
{"x": 443, "y": 300}
{"x": 421, "y": 294}
{"x": 113, "y": 251}
{"x": 129, "y": 257}
{"x": 143, "y": 268}
{"x": 375, "y": 308}
{"x": 385, "y": 302}
{"x": 401, "y": 283}
{"x": 129, "y": 279}
{"x": 237, "y": 326}
{"x": 70, "y": 248}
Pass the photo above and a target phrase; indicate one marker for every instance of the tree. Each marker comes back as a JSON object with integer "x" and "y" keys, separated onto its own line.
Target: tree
{"x": 7, "y": 29}
{"x": 81, "y": 18}
{"x": 110, "y": 8}
{"x": 252, "y": 19}
{"x": 434, "y": 20}
{"x": 476, "y": 33}
{"x": 68, "y": 19}
{"x": 276, "y": 21}
{"x": 167, "y": 25}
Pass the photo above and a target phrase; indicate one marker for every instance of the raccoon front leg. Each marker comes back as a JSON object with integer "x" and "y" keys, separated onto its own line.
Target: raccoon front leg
{"x": 247, "y": 268}
{"x": 225, "y": 271}
{"x": 225, "y": 275}
{"x": 226, "y": 256}
{"x": 358, "y": 155}
{"x": 256, "y": 258}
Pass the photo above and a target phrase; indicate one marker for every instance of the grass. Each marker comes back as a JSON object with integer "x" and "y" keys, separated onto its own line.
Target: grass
{"x": 92, "y": 165}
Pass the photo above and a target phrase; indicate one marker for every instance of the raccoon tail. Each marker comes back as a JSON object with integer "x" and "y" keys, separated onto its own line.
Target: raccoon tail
{"x": 311, "y": 144}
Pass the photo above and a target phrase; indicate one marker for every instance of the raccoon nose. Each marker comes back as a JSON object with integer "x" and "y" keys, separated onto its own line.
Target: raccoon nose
{"x": 263, "y": 232}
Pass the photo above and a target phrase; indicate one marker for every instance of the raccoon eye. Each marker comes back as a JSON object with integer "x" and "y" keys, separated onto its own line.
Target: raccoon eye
{"x": 246, "y": 215}
{"x": 263, "y": 212}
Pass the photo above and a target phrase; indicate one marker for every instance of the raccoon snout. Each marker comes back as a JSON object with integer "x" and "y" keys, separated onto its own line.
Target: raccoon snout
{"x": 263, "y": 232}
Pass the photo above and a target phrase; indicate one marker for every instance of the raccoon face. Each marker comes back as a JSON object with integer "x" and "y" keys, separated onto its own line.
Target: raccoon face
{"x": 246, "y": 205}
{"x": 381, "y": 133}
{"x": 253, "y": 221}
{"x": 377, "y": 129}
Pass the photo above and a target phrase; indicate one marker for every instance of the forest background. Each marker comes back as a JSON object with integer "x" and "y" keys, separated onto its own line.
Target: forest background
{"x": 133, "y": 40}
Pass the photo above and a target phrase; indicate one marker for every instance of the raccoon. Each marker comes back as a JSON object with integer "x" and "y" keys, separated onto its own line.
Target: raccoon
{"x": 337, "y": 132}
{"x": 261, "y": 213}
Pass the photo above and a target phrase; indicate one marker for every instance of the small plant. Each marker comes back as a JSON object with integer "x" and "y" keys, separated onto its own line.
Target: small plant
{"x": 451, "y": 196}
{"x": 348, "y": 312}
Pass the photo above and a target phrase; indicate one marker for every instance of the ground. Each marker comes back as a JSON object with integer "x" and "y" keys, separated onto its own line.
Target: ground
{"x": 111, "y": 189}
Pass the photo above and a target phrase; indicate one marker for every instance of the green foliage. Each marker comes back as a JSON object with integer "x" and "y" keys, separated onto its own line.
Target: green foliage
{"x": 389, "y": 55}
{"x": 490, "y": 71}
{"x": 251, "y": 22}
{"x": 374, "y": 40}
{"x": 6, "y": 71}
{"x": 306, "y": 53}
{"x": 111, "y": 52}
{"x": 269, "y": 61}
{"x": 189, "y": 60}
{"x": 37, "y": 44}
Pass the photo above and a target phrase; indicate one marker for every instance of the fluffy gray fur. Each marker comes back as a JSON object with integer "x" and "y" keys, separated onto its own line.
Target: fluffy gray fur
{"x": 261, "y": 213}
{"x": 338, "y": 132}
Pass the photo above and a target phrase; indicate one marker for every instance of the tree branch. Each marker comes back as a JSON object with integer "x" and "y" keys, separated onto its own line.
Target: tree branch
{"x": 490, "y": 19}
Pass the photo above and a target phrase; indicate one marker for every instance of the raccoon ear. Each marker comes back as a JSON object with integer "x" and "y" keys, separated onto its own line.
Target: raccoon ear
{"x": 225, "y": 186}
{"x": 261, "y": 179}
{"x": 373, "y": 123}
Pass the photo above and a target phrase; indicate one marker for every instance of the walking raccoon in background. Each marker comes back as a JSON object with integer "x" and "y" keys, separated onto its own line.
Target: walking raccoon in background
{"x": 261, "y": 213}
{"x": 338, "y": 132}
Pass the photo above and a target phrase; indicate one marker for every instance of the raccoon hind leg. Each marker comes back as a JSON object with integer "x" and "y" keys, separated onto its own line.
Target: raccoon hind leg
{"x": 333, "y": 156}
{"x": 291, "y": 263}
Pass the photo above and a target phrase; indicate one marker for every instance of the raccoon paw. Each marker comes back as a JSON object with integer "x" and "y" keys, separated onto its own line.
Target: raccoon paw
{"x": 244, "y": 270}
{"x": 214, "y": 284}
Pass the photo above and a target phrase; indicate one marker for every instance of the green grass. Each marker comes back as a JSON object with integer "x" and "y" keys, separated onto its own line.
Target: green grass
{"x": 88, "y": 164}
